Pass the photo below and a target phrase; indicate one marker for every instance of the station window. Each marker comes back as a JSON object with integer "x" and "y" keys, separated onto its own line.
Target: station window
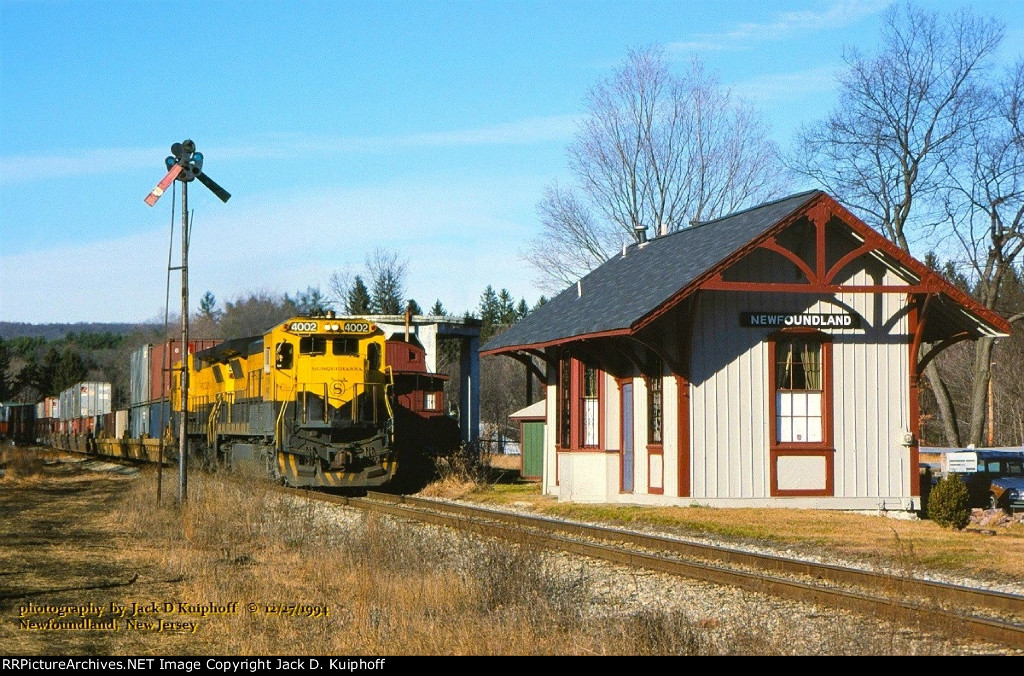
{"x": 590, "y": 406}
{"x": 799, "y": 410}
{"x": 800, "y": 401}
{"x": 565, "y": 402}
{"x": 579, "y": 404}
{"x": 655, "y": 405}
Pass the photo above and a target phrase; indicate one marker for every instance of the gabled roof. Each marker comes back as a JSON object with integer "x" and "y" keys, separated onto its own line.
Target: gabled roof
{"x": 620, "y": 294}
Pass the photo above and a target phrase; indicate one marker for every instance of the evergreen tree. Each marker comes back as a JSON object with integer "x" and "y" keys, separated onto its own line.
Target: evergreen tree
{"x": 387, "y": 276}
{"x": 358, "y": 301}
{"x": 506, "y": 308}
{"x": 437, "y": 310}
{"x": 490, "y": 310}
{"x": 310, "y": 302}
{"x": 208, "y": 306}
{"x": 6, "y": 379}
{"x": 70, "y": 369}
{"x": 414, "y": 307}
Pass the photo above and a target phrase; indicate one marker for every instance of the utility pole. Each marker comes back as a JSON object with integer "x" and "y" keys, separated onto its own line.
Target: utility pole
{"x": 991, "y": 409}
{"x": 183, "y": 426}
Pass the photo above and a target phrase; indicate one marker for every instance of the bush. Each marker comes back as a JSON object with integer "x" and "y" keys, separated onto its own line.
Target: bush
{"x": 949, "y": 503}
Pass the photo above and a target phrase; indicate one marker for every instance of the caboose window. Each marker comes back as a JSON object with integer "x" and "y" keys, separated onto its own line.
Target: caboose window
{"x": 343, "y": 346}
{"x": 313, "y": 345}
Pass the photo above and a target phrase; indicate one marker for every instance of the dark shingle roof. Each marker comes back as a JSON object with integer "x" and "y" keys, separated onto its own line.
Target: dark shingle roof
{"x": 627, "y": 288}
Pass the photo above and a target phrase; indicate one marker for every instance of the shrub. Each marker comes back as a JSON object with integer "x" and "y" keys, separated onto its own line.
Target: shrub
{"x": 949, "y": 503}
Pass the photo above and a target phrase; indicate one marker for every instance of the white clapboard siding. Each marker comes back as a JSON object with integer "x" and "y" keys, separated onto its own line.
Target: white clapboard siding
{"x": 729, "y": 397}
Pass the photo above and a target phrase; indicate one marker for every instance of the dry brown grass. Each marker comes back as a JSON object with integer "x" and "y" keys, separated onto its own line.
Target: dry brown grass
{"x": 20, "y": 463}
{"x": 363, "y": 585}
{"x": 897, "y": 544}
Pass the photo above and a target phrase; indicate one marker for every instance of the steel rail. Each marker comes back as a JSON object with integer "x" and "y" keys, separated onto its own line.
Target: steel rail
{"x": 540, "y": 532}
{"x": 929, "y": 590}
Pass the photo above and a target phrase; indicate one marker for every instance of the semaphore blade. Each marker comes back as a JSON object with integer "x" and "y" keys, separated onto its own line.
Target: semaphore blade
{"x": 166, "y": 181}
{"x": 220, "y": 192}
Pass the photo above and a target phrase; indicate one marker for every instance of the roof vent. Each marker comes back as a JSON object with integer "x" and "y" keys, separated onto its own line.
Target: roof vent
{"x": 641, "y": 233}
{"x": 579, "y": 288}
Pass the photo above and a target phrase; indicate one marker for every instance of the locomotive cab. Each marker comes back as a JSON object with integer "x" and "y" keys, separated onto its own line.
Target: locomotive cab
{"x": 308, "y": 399}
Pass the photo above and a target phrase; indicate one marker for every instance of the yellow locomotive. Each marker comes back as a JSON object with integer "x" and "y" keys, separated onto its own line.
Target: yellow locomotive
{"x": 312, "y": 401}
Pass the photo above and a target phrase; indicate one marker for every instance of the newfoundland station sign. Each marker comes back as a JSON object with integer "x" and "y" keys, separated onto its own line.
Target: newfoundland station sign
{"x": 781, "y": 320}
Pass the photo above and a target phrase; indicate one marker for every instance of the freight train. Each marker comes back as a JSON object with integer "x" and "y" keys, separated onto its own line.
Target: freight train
{"x": 318, "y": 401}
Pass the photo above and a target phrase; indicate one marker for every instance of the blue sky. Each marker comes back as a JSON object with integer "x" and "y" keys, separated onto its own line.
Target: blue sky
{"x": 428, "y": 128}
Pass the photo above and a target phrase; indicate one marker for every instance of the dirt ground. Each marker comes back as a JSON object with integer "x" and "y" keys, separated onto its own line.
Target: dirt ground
{"x": 66, "y": 562}
{"x": 60, "y": 553}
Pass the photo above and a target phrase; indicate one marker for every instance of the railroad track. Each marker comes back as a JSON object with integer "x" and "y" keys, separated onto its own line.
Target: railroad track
{"x": 958, "y": 611}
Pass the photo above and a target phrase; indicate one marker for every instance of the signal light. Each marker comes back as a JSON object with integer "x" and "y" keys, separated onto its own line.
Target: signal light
{"x": 185, "y": 164}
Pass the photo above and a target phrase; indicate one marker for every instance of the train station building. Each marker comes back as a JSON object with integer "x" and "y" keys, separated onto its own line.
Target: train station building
{"x": 770, "y": 358}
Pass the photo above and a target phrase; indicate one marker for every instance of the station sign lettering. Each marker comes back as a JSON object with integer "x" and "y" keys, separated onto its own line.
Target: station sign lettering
{"x": 782, "y": 320}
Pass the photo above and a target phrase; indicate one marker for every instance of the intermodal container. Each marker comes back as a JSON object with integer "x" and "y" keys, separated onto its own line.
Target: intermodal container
{"x": 138, "y": 376}
{"x": 52, "y": 407}
{"x": 160, "y": 419}
{"x": 90, "y": 399}
{"x": 162, "y": 359}
{"x": 138, "y": 420}
{"x": 120, "y": 424}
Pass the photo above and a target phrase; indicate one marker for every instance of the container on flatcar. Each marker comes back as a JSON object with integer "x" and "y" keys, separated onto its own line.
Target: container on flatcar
{"x": 120, "y": 424}
{"x": 138, "y": 420}
{"x": 159, "y": 418}
{"x": 66, "y": 405}
{"x": 90, "y": 399}
{"x": 139, "y": 375}
{"x": 52, "y": 407}
{"x": 161, "y": 367}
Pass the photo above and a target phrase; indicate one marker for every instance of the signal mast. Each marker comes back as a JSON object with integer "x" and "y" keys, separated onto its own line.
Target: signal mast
{"x": 184, "y": 164}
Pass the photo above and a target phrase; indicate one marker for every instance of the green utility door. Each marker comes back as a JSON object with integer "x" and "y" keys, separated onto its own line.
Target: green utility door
{"x": 533, "y": 449}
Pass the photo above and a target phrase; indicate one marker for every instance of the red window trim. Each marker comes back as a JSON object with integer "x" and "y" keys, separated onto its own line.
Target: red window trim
{"x": 576, "y": 420}
{"x": 579, "y": 372}
{"x": 824, "y": 448}
{"x": 622, "y": 434}
{"x": 654, "y": 447}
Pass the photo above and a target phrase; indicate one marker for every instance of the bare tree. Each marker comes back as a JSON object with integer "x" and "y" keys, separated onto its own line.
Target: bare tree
{"x": 385, "y": 273}
{"x": 387, "y": 281}
{"x": 655, "y": 152}
{"x": 903, "y": 115}
{"x": 984, "y": 202}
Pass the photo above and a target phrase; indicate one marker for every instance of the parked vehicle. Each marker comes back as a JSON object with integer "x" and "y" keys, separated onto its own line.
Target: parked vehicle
{"x": 995, "y": 479}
